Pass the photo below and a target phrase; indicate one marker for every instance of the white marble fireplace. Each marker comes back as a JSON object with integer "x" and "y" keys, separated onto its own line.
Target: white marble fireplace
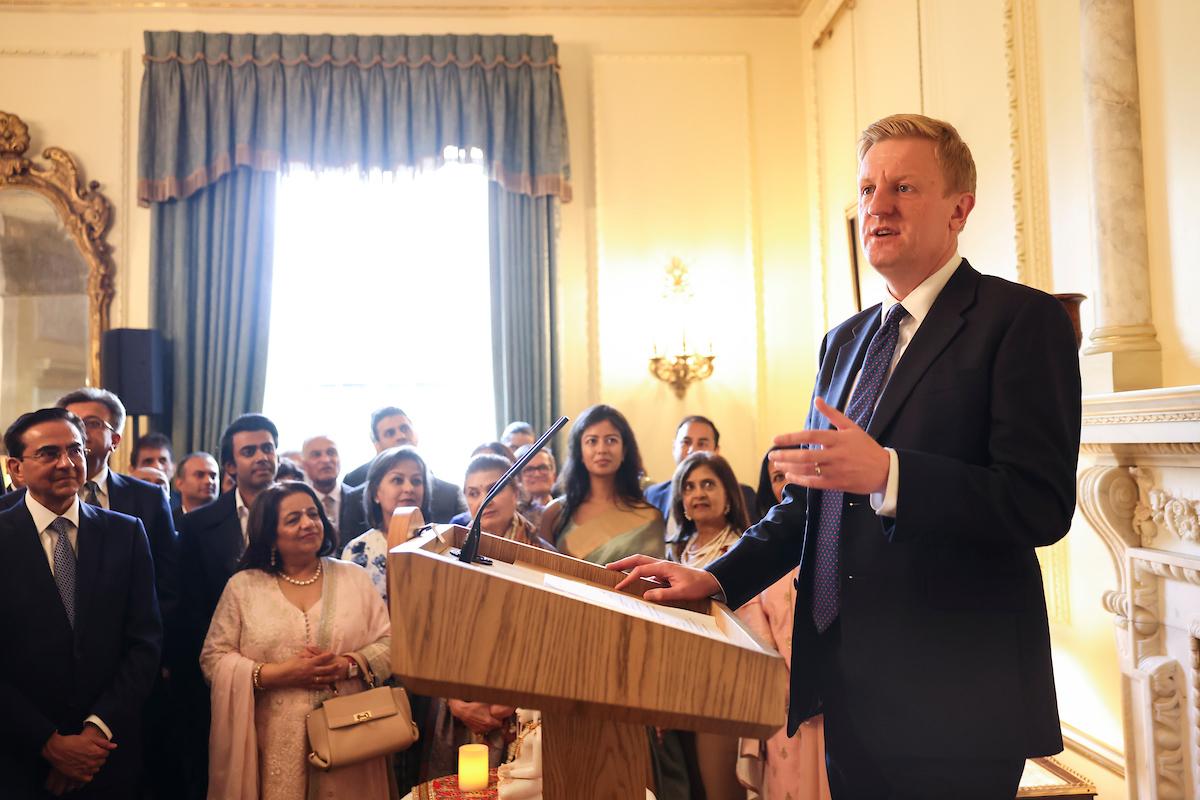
{"x": 1141, "y": 494}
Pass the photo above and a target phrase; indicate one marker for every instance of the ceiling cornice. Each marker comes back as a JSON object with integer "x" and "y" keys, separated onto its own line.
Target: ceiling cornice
{"x": 698, "y": 8}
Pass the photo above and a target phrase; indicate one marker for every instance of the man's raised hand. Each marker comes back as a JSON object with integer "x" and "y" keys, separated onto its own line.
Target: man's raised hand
{"x": 846, "y": 458}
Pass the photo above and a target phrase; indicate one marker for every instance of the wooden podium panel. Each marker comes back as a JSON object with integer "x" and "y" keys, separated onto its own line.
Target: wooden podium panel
{"x": 546, "y": 631}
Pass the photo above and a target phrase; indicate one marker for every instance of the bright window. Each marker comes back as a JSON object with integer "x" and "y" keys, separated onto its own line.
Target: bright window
{"x": 381, "y": 296}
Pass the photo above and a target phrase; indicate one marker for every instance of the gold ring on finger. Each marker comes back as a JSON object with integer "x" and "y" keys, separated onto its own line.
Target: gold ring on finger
{"x": 817, "y": 468}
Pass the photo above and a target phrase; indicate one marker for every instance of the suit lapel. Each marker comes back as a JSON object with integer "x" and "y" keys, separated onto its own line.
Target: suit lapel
{"x": 939, "y": 328}
{"x": 116, "y": 492}
{"x": 849, "y": 360}
{"x": 90, "y": 544}
{"x": 27, "y": 551}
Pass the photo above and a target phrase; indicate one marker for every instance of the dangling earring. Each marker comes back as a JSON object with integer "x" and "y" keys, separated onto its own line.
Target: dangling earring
{"x": 687, "y": 516}
{"x": 727, "y": 507}
{"x": 274, "y": 557}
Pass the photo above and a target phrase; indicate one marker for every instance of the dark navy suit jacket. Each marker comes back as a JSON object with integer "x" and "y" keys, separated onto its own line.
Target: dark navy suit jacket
{"x": 56, "y": 675}
{"x": 945, "y": 646}
{"x": 143, "y": 500}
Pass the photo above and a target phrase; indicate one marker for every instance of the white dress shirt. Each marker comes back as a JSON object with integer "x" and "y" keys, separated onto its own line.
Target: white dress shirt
{"x": 243, "y": 512}
{"x": 42, "y": 519}
{"x": 333, "y": 513}
{"x": 917, "y": 304}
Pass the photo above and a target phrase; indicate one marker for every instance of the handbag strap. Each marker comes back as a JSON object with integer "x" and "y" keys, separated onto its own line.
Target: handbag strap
{"x": 364, "y": 669}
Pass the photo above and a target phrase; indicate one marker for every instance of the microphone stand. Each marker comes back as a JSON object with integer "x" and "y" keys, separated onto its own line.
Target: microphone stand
{"x": 470, "y": 549}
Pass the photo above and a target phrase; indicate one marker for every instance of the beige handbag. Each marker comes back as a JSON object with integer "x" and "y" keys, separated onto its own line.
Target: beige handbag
{"x": 357, "y": 727}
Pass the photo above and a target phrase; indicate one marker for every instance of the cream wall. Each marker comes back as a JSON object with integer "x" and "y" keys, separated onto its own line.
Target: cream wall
{"x": 709, "y": 168}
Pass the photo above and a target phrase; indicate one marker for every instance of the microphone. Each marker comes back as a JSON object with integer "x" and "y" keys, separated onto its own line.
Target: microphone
{"x": 470, "y": 549}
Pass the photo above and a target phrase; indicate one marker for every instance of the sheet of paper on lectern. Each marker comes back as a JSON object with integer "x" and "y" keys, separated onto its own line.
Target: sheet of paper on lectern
{"x": 680, "y": 618}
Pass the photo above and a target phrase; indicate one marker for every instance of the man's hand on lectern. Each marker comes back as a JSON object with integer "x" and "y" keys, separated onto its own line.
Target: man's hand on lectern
{"x": 679, "y": 582}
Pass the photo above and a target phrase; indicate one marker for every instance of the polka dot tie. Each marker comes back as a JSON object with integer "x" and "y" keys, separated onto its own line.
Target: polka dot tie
{"x": 871, "y": 380}
{"x": 64, "y": 566}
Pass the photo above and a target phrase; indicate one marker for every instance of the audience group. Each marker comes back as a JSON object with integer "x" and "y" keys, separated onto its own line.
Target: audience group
{"x": 174, "y": 648}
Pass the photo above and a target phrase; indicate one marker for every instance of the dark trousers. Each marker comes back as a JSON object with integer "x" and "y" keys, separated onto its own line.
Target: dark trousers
{"x": 856, "y": 773}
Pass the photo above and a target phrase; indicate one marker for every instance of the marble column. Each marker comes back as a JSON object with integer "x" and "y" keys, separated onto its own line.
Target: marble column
{"x": 1123, "y": 352}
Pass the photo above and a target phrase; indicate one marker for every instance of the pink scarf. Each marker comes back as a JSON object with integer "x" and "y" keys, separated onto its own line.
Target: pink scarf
{"x": 232, "y": 745}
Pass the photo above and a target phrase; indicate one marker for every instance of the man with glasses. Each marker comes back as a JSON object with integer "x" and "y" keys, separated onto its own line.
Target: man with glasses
{"x": 77, "y": 588}
{"x": 103, "y": 417}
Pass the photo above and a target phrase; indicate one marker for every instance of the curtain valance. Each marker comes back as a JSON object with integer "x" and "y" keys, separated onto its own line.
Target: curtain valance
{"x": 212, "y": 102}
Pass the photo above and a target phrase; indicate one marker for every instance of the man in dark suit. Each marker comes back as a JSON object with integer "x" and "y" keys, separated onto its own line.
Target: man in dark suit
{"x": 211, "y": 541}
{"x": 920, "y": 628}
{"x": 103, "y": 417}
{"x": 77, "y": 589}
{"x": 694, "y": 433}
{"x": 391, "y": 427}
{"x": 322, "y": 464}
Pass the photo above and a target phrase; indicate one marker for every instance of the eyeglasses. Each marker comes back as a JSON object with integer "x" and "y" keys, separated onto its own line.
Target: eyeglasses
{"x": 97, "y": 424}
{"x": 539, "y": 468}
{"x": 52, "y": 455}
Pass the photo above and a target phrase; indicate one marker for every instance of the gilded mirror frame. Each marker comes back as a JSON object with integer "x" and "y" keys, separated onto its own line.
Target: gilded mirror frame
{"x": 85, "y": 212}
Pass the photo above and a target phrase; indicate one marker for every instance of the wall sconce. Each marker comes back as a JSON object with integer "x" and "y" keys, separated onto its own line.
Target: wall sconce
{"x": 684, "y": 367}
{"x": 681, "y": 370}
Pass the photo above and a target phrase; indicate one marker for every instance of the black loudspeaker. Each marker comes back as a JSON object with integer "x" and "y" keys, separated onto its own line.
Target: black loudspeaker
{"x": 131, "y": 362}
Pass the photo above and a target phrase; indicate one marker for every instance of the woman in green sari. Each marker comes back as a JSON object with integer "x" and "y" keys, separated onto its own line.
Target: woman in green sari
{"x": 602, "y": 517}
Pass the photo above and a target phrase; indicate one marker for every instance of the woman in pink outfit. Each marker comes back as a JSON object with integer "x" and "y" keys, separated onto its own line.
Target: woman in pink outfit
{"x": 782, "y": 767}
{"x": 280, "y": 643}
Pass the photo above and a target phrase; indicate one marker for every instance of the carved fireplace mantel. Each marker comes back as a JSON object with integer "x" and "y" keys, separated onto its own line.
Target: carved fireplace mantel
{"x": 1139, "y": 489}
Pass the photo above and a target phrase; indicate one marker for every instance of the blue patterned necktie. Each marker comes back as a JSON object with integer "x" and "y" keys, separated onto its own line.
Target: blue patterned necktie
{"x": 64, "y": 566}
{"x": 90, "y": 495}
{"x": 871, "y": 380}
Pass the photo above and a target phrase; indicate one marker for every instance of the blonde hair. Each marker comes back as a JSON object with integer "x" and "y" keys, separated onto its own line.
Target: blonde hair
{"x": 952, "y": 153}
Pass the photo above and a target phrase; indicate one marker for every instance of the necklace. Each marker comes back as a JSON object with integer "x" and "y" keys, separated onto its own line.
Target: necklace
{"x": 696, "y": 555}
{"x": 306, "y": 582}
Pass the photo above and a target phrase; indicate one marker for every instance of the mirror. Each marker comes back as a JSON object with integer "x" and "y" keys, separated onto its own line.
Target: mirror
{"x": 55, "y": 275}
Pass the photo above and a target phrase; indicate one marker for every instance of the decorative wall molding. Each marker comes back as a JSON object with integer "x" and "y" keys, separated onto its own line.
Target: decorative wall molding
{"x": 1167, "y": 712}
{"x": 727, "y": 8}
{"x": 1095, "y": 751}
{"x": 1173, "y": 404}
{"x": 1142, "y": 419}
{"x": 1030, "y": 205}
{"x": 1159, "y": 512}
{"x": 1107, "y": 498}
{"x": 1142, "y": 449}
{"x": 1056, "y": 580}
{"x": 1194, "y": 647}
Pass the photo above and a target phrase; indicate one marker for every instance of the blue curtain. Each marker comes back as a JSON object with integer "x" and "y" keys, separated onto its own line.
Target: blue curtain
{"x": 524, "y": 355}
{"x": 215, "y": 101}
{"x": 222, "y": 113}
{"x": 211, "y": 286}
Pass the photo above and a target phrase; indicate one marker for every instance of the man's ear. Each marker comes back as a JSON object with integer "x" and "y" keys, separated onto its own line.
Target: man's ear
{"x": 962, "y": 209}
{"x": 14, "y": 467}
{"x": 116, "y": 440}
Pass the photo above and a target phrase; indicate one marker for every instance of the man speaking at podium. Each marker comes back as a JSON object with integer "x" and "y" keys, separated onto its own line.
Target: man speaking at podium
{"x": 940, "y": 450}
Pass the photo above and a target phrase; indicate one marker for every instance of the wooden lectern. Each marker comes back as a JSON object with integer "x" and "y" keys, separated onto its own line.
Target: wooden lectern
{"x": 546, "y": 631}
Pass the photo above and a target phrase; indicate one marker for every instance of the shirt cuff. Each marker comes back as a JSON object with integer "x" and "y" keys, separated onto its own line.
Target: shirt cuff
{"x": 719, "y": 595}
{"x": 884, "y": 502}
{"x": 99, "y": 723}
